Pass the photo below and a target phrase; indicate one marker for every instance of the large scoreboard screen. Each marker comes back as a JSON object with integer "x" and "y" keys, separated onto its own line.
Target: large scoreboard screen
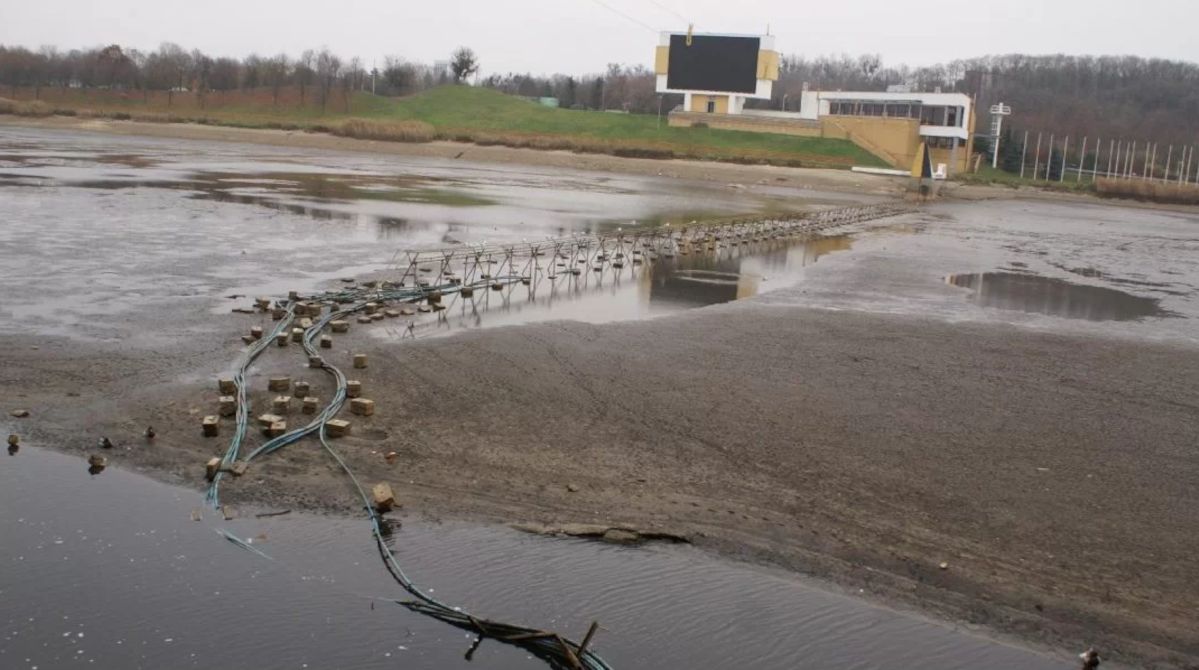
{"x": 713, "y": 63}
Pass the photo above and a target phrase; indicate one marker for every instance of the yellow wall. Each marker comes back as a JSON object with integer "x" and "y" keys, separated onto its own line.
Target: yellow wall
{"x": 768, "y": 65}
{"x": 662, "y": 60}
{"x": 893, "y": 140}
{"x": 699, "y": 103}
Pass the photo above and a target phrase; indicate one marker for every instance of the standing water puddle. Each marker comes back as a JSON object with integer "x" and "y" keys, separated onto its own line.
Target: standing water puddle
{"x": 109, "y": 571}
{"x": 1055, "y": 297}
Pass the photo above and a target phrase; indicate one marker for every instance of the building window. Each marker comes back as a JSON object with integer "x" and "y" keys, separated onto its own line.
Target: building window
{"x": 951, "y": 116}
{"x": 711, "y": 106}
{"x": 939, "y": 142}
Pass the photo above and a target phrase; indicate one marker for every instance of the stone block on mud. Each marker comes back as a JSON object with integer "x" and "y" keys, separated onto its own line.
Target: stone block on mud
{"x": 256, "y": 332}
{"x": 281, "y": 404}
{"x": 212, "y": 467}
{"x": 211, "y": 426}
{"x": 316, "y": 362}
{"x": 227, "y": 405}
{"x": 340, "y": 326}
{"x": 359, "y": 361}
{"x": 326, "y": 342}
{"x": 310, "y": 403}
{"x": 278, "y": 383}
{"x": 301, "y": 389}
{"x": 265, "y": 420}
{"x": 362, "y": 407}
{"x": 365, "y": 319}
{"x": 227, "y": 385}
{"x": 297, "y": 334}
{"x": 281, "y": 339}
{"x": 275, "y": 429}
{"x": 383, "y": 497}
{"x": 337, "y": 427}
{"x": 353, "y": 388}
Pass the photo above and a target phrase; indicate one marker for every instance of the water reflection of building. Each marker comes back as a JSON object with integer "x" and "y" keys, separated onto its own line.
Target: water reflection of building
{"x": 731, "y": 274}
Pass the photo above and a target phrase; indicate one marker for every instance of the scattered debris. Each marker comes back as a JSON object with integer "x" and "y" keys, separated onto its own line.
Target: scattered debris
{"x": 105, "y": 443}
{"x": 97, "y": 461}
{"x": 391, "y": 457}
{"x": 614, "y": 534}
{"x": 573, "y": 488}
{"x": 20, "y": 413}
{"x": 263, "y": 515}
{"x": 943, "y": 565}
{"x": 150, "y": 433}
{"x": 1090, "y": 659}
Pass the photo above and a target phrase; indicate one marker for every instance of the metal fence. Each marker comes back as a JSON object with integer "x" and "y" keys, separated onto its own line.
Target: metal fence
{"x": 1047, "y": 157}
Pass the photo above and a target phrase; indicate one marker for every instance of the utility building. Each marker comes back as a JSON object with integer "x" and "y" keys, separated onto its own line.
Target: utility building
{"x": 716, "y": 73}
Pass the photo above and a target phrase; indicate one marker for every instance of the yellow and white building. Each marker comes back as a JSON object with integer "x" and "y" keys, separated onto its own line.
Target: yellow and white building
{"x": 717, "y": 73}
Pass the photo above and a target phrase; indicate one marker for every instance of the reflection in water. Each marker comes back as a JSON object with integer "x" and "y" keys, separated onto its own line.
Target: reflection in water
{"x": 635, "y": 291}
{"x": 1056, "y": 297}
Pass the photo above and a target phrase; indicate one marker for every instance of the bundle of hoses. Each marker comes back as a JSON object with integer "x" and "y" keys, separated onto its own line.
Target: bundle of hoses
{"x": 557, "y": 651}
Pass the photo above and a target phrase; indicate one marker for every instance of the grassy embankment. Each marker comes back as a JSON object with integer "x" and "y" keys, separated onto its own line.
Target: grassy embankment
{"x": 458, "y": 113}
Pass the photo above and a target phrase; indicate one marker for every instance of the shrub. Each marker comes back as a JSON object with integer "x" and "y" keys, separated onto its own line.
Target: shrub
{"x": 1150, "y": 191}
{"x": 388, "y": 131}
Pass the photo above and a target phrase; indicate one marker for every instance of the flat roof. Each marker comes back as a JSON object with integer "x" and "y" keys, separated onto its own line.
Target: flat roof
{"x": 948, "y": 99}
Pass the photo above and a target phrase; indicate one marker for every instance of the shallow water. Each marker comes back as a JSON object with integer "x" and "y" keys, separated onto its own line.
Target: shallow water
{"x": 1057, "y": 297}
{"x": 109, "y": 571}
{"x": 99, "y": 228}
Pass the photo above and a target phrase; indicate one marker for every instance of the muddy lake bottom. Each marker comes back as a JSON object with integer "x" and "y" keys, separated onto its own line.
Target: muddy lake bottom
{"x": 109, "y": 239}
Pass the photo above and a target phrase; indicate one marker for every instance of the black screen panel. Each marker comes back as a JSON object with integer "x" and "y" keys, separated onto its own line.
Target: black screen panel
{"x": 713, "y": 63}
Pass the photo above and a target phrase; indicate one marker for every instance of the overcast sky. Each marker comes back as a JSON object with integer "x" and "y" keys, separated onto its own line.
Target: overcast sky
{"x": 580, "y": 36}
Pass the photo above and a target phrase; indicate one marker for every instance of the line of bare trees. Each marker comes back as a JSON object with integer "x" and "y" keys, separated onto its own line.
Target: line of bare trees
{"x": 317, "y": 74}
{"x": 1106, "y": 96}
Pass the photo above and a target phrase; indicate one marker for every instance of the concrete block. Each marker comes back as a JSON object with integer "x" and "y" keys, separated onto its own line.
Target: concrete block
{"x": 316, "y": 362}
{"x": 276, "y": 429}
{"x": 305, "y": 323}
{"x": 247, "y": 339}
{"x": 278, "y": 313}
{"x": 362, "y": 406}
{"x": 467, "y": 291}
{"x": 372, "y": 307}
{"x": 391, "y": 313}
{"x": 211, "y": 426}
{"x": 377, "y": 316}
{"x": 383, "y": 497}
{"x": 281, "y": 339}
{"x": 263, "y": 302}
{"x": 407, "y": 311}
{"x": 279, "y": 383}
{"x": 265, "y": 420}
{"x": 212, "y": 467}
{"x": 300, "y": 389}
{"x": 309, "y": 406}
{"x": 297, "y": 334}
{"x": 359, "y": 361}
{"x": 256, "y": 332}
{"x": 337, "y": 427}
{"x": 227, "y": 405}
{"x": 281, "y": 404}
{"x": 353, "y": 388}
{"x": 326, "y": 342}
{"x": 340, "y": 326}
{"x": 364, "y": 319}
{"x": 239, "y": 468}
{"x": 227, "y": 385}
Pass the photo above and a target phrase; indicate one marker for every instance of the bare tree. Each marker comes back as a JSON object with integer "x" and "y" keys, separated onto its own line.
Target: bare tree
{"x": 303, "y": 71}
{"x": 463, "y": 64}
